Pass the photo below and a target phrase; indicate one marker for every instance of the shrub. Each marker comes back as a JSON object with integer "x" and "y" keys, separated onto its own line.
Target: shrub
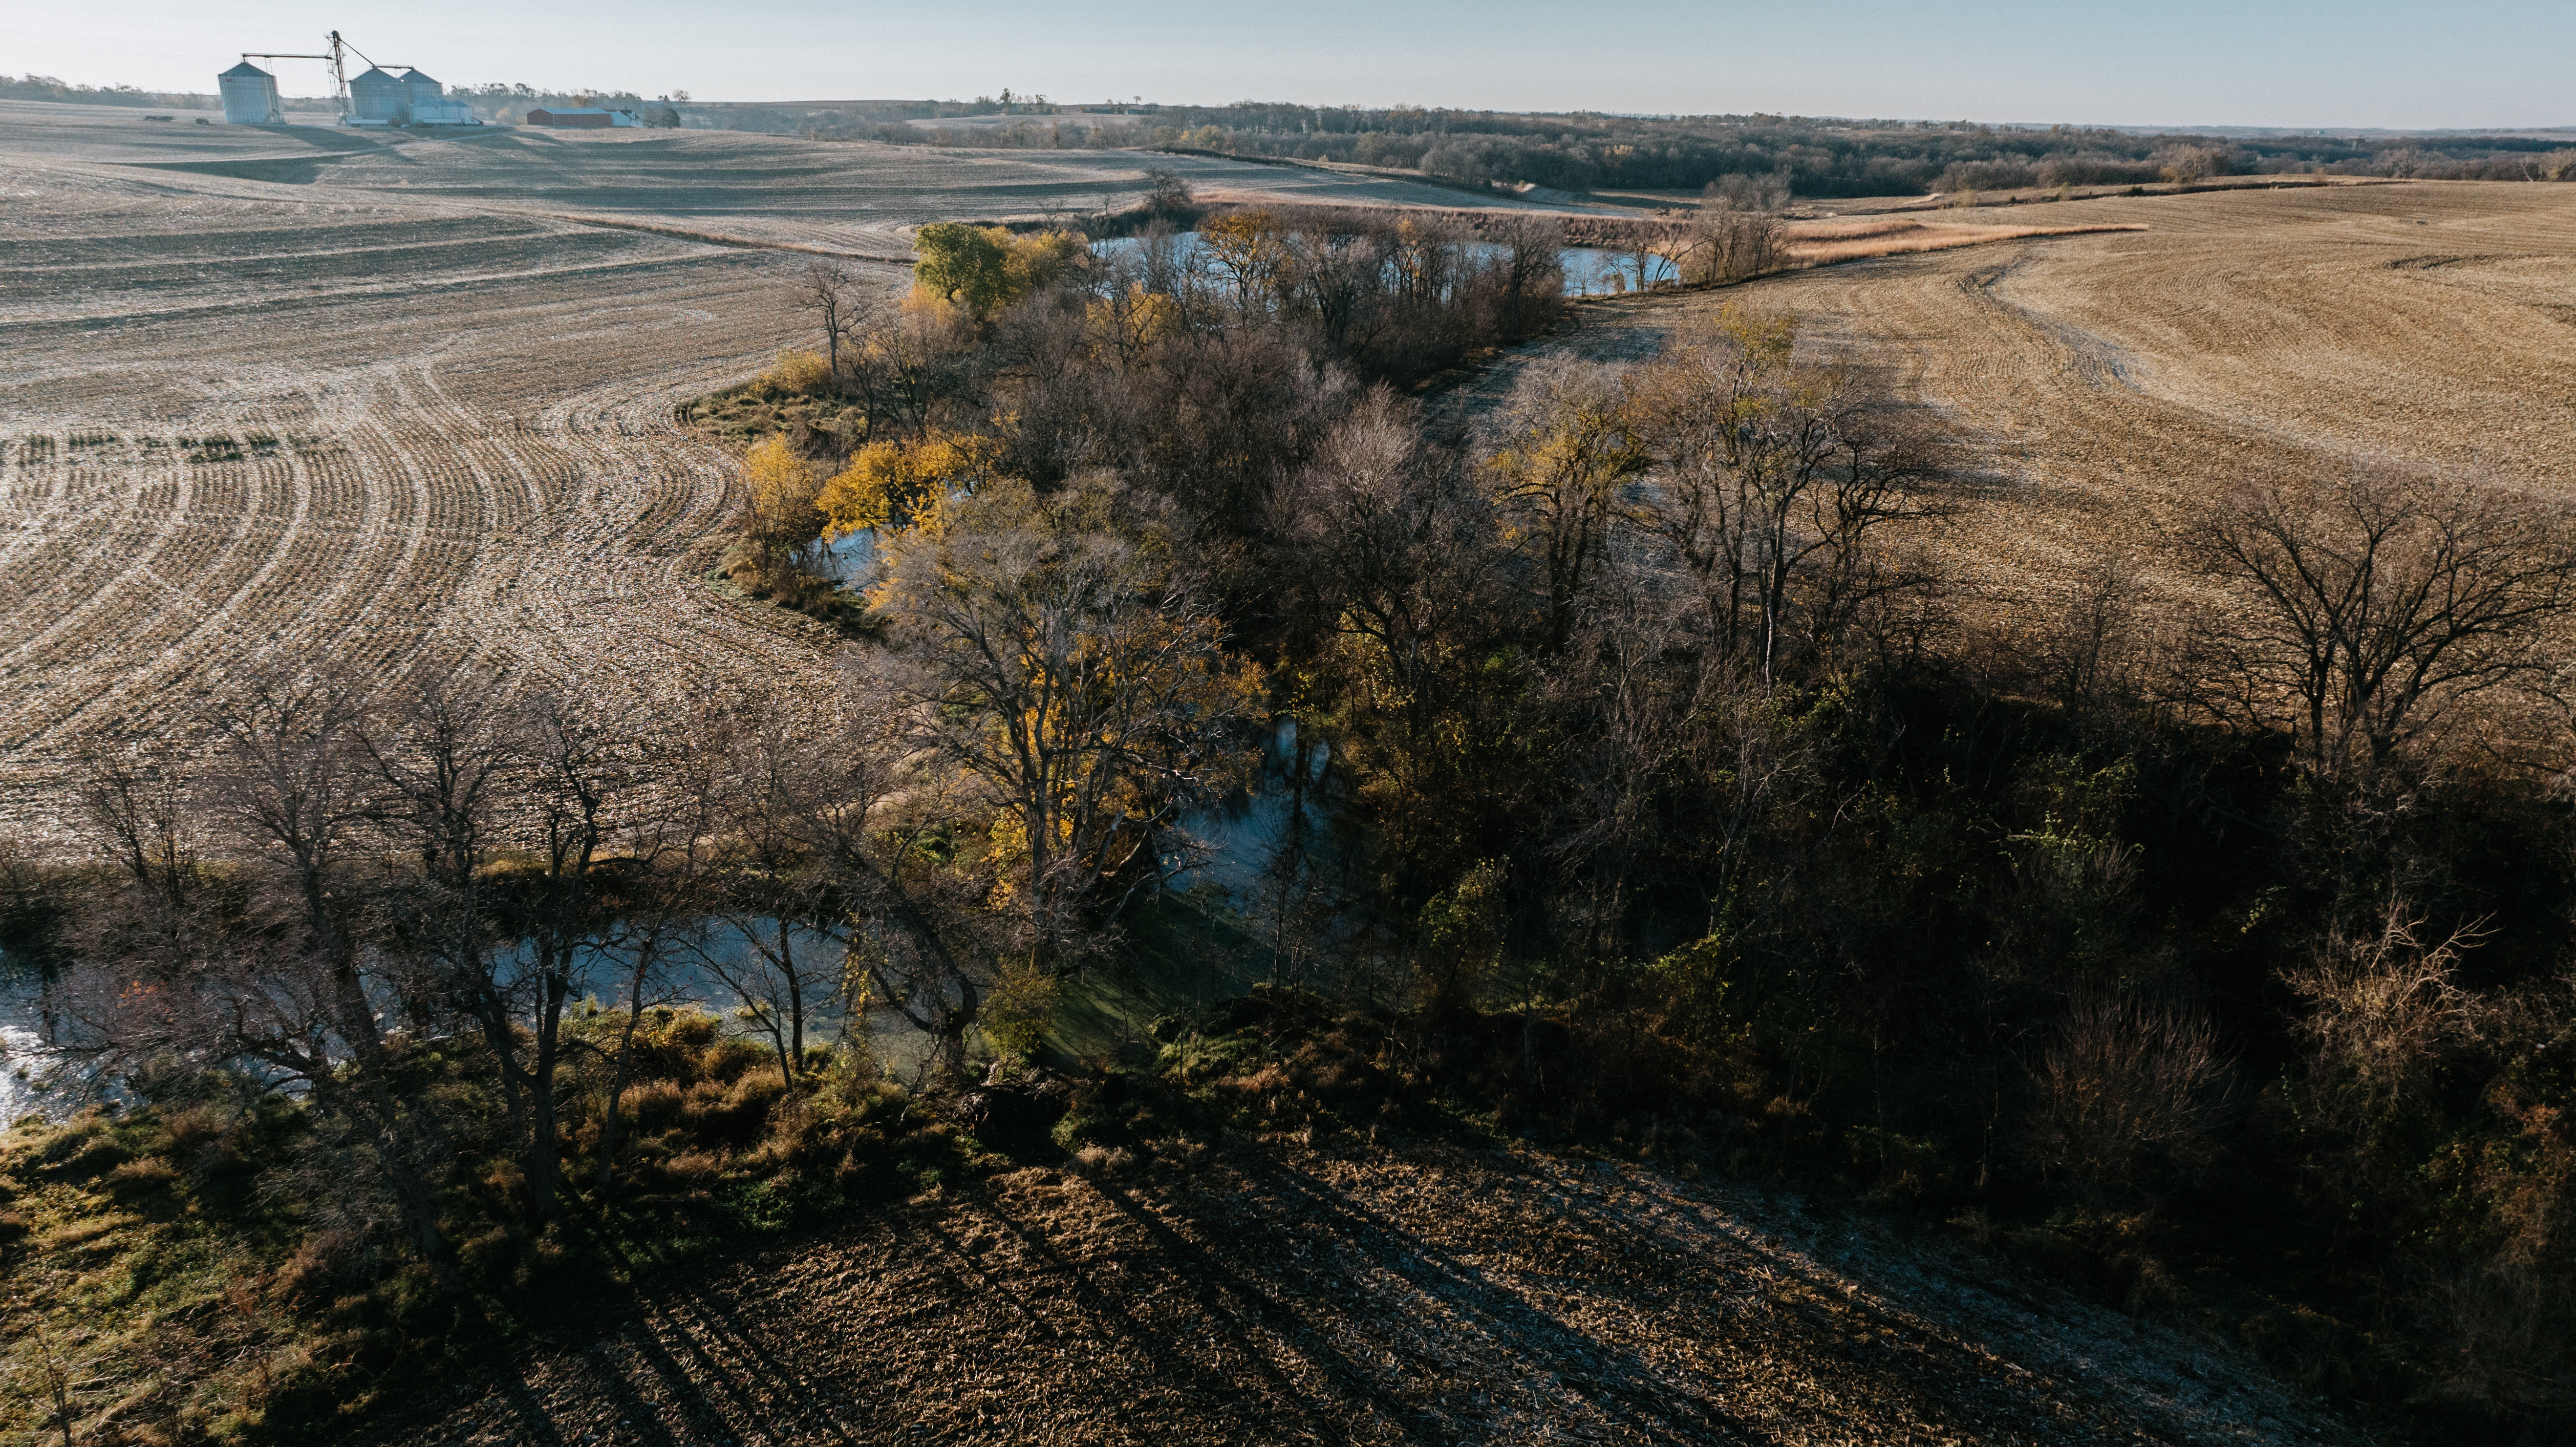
{"x": 2134, "y": 1094}
{"x": 797, "y": 372}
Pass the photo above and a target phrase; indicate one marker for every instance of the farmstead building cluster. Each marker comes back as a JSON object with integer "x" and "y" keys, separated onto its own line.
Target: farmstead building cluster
{"x": 375, "y": 97}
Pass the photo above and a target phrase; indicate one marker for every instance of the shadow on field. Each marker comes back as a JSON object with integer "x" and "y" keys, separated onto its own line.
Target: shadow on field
{"x": 1256, "y": 1295}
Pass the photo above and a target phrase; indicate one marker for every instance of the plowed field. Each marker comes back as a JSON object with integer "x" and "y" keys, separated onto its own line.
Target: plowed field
{"x": 357, "y": 396}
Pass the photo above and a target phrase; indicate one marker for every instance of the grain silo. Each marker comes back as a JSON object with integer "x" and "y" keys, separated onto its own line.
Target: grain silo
{"x": 430, "y": 105}
{"x": 250, "y": 96}
{"x": 379, "y": 99}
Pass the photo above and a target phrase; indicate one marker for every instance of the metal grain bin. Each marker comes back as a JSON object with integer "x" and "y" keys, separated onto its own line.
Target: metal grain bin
{"x": 250, "y": 96}
{"x": 379, "y": 97}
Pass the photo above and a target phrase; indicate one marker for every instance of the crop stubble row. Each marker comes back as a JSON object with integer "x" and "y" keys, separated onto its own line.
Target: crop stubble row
{"x": 459, "y": 449}
{"x": 1399, "y": 1295}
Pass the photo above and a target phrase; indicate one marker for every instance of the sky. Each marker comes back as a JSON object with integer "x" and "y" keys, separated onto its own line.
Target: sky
{"x": 2299, "y": 63}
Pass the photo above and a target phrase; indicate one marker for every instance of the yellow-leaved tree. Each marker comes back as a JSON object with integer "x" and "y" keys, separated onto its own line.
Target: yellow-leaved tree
{"x": 895, "y": 485}
{"x": 780, "y": 523}
{"x": 1248, "y": 250}
{"x": 1565, "y": 449}
{"x": 1061, "y": 667}
{"x": 1124, "y": 325}
{"x": 985, "y": 268}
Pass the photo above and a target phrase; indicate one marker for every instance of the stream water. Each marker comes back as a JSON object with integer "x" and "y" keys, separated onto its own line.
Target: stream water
{"x": 20, "y": 1034}
{"x": 1589, "y": 271}
{"x": 1234, "y": 846}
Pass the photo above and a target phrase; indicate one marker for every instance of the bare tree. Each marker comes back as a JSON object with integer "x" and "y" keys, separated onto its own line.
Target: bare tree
{"x": 784, "y": 918}
{"x": 443, "y": 758}
{"x": 2134, "y": 1093}
{"x": 1738, "y": 191}
{"x": 268, "y": 973}
{"x": 2378, "y": 607}
{"x": 1648, "y": 248}
{"x": 139, "y": 820}
{"x": 2383, "y": 1009}
{"x": 908, "y": 366}
{"x": 292, "y": 785}
{"x": 581, "y": 765}
{"x": 1561, "y": 454}
{"x": 837, "y": 295}
{"x": 1774, "y": 489}
{"x": 453, "y": 760}
{"x": 1633, "y": 696}
{"x": 655, "y": 915}
{"x": 1722, "y": 245}
{"x": 1167, "y": 192}
{"x": 1397, "y": 542}
{"x": 1533, "y": 261}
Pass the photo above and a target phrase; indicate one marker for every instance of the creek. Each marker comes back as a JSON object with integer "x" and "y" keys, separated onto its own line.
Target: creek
{"x": 1589, "y": 271}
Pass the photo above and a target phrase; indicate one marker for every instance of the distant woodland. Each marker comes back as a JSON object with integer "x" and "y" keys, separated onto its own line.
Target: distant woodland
{"x": 1585, "y": 151}
{"x": 45, "y": 87}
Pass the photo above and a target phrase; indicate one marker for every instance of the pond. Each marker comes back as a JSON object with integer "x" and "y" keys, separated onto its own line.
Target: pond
{"x": 1589, "y": 271}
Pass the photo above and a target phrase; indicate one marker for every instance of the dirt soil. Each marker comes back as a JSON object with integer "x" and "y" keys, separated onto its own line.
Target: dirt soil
{"x": 1426, "y": 1294}
{"x": 367, "y": 396}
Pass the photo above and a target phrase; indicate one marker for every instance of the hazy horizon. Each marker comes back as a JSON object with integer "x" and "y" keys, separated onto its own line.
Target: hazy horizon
{"x": 2303, "y": 66}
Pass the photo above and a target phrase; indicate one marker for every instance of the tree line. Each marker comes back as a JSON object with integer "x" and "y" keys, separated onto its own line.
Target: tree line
{"x": 1820, "y": 156}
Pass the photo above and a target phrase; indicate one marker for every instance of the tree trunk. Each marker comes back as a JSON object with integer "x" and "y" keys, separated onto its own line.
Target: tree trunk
{"x": 795, "y": 1000}
{"x": 543, "y": 1169}
{"x": 625, "y": 1066}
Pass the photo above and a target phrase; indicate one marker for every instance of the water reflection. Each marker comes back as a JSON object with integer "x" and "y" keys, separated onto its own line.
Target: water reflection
{"x": 1589, "y": 271}
{"x": 21, "y": 1019}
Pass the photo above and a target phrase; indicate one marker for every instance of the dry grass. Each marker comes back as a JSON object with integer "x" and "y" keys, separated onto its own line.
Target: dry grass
{"x": 1816, "y": 243}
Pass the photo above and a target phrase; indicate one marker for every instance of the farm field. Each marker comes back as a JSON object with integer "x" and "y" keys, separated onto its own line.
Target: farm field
{"x": 1403, "y": 1294}
{"x": 2106, "y": 385}
{"x": 299, "y": 388}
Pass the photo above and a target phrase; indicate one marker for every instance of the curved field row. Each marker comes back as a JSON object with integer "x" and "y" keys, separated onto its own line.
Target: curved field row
{"x": 363, "y": 440}
{"x": 1392, "y": 1296}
